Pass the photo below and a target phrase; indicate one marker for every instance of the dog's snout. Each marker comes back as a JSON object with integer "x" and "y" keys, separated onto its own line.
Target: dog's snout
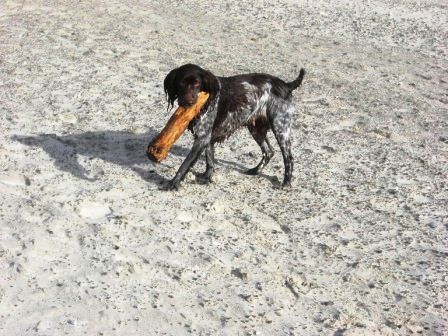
{"x": 183, "y": 103}
{"x": 187, "y": 100}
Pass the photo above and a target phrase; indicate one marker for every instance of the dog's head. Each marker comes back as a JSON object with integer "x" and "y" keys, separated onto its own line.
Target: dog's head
{"x": 185, "y": 82}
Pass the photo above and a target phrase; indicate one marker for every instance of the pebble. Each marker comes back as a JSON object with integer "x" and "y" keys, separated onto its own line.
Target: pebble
{"x": 184, "y": 216}
{"x": 414, "y": 327}
{"x": 298, "y": 284}
{"x": 94, "y": 210}
{"x": 68, "y": 118}
{"x": 420, "y": 199}
{"x": 239, "y": 274}
{"x": 218, "y": 206}
{"x": 115, "y": 193}
{"x": 370, "y": 330}
{"x": 139, "y": 130}
{"x": 269, "y": 224}
{"x": 14, "y": 179}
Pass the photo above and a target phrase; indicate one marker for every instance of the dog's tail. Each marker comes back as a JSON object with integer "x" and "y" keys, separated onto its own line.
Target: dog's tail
{"x": 296, "y": 83}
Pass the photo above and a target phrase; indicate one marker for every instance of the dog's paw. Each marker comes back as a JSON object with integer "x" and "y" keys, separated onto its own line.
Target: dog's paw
{"x": 282, "y": 186}
{"x": 168, "y": 186}
{"x": 204, "y": 178}
{"x": 253, "y": 171}
{"x": 286, "y": 186}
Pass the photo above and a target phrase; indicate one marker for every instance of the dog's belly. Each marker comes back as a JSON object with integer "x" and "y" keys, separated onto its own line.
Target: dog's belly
{"x": 226, "y": 125}
{"x": 241, "y": 104}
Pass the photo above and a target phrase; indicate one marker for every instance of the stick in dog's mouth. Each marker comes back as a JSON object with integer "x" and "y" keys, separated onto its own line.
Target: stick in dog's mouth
{"x": 160, "y": 146}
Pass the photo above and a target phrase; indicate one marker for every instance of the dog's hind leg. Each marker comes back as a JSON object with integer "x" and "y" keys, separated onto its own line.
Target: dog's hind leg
{"x": 281, "y": 118}
{"x": 259, "y": 130}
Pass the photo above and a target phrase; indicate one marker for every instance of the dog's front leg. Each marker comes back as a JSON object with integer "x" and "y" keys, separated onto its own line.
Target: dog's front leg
{"x": 198, "y": 147}
{"x": 206, "y": 177}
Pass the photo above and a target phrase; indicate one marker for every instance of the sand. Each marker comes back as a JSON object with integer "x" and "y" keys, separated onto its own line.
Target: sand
{"x": 89, "y": 245}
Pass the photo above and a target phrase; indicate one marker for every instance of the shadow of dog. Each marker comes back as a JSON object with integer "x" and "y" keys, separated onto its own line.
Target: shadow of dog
{"x": 118, "y": 147}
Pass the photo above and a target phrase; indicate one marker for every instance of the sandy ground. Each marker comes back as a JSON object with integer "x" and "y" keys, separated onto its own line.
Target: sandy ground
{"x": 90, "y": 246}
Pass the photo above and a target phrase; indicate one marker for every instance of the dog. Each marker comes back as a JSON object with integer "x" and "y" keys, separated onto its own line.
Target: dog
{"x": 260, "y": 102}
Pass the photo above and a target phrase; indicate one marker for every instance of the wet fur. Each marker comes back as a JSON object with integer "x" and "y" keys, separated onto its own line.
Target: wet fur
{"x": 259, "y": 102}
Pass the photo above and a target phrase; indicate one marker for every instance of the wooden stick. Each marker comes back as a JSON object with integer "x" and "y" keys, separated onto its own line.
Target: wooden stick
{"x": 160, "y": 146}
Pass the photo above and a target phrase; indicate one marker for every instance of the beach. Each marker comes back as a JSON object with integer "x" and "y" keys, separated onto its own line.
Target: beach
{"x": 90, "y": 245}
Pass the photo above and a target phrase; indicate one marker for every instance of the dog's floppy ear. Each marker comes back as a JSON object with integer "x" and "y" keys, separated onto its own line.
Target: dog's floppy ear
{"x": 170, "y": 87}
{"x": 210, "y": 84}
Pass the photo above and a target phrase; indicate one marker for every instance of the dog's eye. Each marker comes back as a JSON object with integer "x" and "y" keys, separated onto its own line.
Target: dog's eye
{"x": 196, "y": 84}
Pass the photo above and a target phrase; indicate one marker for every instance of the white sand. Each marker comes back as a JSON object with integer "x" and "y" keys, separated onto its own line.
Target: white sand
{"x": 90, "y": 246}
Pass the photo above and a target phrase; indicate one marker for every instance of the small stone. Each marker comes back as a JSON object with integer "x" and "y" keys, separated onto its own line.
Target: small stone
{"x": 184, "y": 216}
{"x": 14, "y": 179}
{"x": 139, "y": 130}
{"x": 420, "y": 199}
{"x": 329, "y": 149}
{"x": 218, "y": 206}
{"x": 415, "y": 328}
{"x": 237, "y": 273}
{"x": 68, "y": 118}
{"x": 94, "y": 210}
{"x": 298, "y": 284}
{"x": 190, "y": 178}
{"x": 285, "y": 229}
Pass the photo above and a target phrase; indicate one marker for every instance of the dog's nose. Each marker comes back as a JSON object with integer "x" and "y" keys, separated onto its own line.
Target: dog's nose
{"x": 187, "y": 102}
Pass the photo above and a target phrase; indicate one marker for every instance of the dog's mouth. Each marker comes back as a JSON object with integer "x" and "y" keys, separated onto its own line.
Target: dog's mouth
{"x": 185, "y": 102}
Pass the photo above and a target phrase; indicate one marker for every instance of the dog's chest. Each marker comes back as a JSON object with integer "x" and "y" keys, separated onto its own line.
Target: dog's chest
{"x": 202, "y": 125}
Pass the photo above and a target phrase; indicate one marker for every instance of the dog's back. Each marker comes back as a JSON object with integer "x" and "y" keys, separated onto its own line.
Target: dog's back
{"x": 245, "y": 99}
